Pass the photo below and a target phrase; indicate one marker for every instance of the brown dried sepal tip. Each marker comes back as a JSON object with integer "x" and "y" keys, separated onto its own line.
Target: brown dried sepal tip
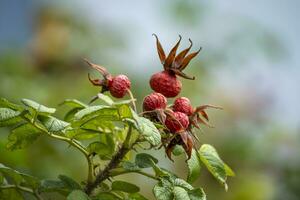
{"x": 107, "y": 77}
{"x": 200, "y": 112}
{"x": 184, "y": 139}
{"x": 176, "y": 63}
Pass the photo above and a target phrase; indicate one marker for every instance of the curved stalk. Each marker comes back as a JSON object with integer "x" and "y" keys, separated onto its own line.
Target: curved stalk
{"x": 71, "y": 142}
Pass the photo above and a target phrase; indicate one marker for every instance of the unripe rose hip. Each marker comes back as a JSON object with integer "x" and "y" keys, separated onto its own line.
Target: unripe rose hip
{"x": 154, "y": 101}
{"x": 183, "y": 104}
{"x": 177, "y": 121}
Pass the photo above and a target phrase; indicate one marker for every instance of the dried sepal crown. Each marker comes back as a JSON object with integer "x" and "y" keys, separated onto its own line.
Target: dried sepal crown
{"x": 176, "y": 63}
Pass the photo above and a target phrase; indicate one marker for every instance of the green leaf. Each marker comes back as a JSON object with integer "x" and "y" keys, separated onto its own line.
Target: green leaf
{"x": 95, "y": 114}
{"x": 52, "y": 124}
{"x": 31, "y": 181}
{"x": 144, "y": 160}
{"x": 125, "y": 187}
{"x": 19, "y": 178}
{"x": 229, "y": 171}
{"x": 105, "y": 98}
{"x": 78, "y": 195}
{"x": 136, "y": 196}
{"x": 40, "y": 109}
{"x": 11, "y": 194}
{"x": 9, "y": 117}
{"x": 182, "y": 183}
{"x": 194, "y": 167}
{"x": 99, "y": 148}
{"x": 53, "y": 186}
{"x": 125, "y": 111}
{"x": 129, "y": 166}
{"x": 180, "y": 193}
{"x": 70, "y": 114}
{"x": 197, "y": 194}
{"x": 214, "y": 164}
{"x": 4, "y": 103}
{"x": 11, "y": 173}
{"x": 69, "y": 182}
{"x": 178, "y": 150}
{"x": 163, "y": 190}
{"x": 74, "y": 103}
{"x": 22, "y": 136}
{"x": 147, "y": 129}
{"x": 107, "y": 196}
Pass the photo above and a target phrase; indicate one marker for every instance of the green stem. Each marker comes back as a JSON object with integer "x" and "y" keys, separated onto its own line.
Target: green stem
{"x": 117, "y": 173}
{"x": 133, "y": 100}
{"x": 21, "y": 188}
{"x": 71, "y": 142}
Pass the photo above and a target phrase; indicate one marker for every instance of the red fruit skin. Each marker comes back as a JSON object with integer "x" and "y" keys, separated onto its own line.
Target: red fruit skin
{"x": 119, "y": 86}
{"x": 166, "y": 83}
{"x": 154, "y": 101}
{"x": 178, "y": 122}
{"x": 183, "y": 104}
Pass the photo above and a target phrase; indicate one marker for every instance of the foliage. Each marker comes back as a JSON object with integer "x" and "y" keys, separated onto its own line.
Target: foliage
{"x": 112, "y": 129}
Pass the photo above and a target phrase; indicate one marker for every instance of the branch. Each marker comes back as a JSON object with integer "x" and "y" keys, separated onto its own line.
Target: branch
{"x": 114, "y": 162}
{"x": 71, "y": 142}
{"x": 21, "y": 188}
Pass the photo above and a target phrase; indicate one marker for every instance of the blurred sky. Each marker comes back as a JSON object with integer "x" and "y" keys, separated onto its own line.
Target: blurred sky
{"x": 278, "y": 77}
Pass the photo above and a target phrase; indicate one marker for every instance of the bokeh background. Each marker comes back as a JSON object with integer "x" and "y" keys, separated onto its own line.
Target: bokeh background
{"x": 249, "y": 65}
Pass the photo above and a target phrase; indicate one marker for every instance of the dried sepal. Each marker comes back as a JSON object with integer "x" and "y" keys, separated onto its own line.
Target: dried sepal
{"x": 160, "y": 50}
{"x": 179, "y": 58}
{"x": 188, "y": 58}
{"x": 99, "y": 68}
{"x": 172, "y": 54}
{"x": 173, "y": 63}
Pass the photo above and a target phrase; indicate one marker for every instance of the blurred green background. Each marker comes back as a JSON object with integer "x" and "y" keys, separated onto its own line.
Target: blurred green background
{"x": 249, "y": 65}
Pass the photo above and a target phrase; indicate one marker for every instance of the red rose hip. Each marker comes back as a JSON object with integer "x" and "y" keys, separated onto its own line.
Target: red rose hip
{"x": 119, "y": 86}
{"x": 166, "y": 83}
{"x": 154, "y": 101}
{"x": 183, "y": 104}
{"x": 177, "y": 121}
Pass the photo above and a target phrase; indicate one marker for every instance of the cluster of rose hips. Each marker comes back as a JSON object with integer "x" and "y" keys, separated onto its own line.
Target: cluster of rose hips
{"x": 179, "y": 119}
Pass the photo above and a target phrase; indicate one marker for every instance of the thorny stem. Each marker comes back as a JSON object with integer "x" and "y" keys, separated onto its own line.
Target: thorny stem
{"x": 73, "y": 143}
{"x": 114, "y": 162}
{"x": 24, "y": 189}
